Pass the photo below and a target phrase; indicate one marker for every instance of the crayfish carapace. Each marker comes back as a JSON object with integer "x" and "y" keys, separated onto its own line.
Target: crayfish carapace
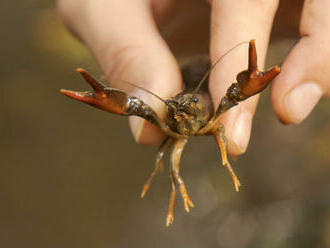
{"x": 188, "y": 113}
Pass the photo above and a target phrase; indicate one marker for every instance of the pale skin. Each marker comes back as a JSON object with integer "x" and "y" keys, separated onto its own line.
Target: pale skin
{"x": 124, "y": 39}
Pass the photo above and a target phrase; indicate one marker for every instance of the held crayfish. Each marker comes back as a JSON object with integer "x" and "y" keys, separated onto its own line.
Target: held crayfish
{"x": 188, "y": 113}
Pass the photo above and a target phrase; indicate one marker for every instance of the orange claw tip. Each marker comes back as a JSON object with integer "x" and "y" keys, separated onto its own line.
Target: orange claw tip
{"x": 65, "y": 92}
{"x": 80, "y": 70}
{"x": 277, "y": 69}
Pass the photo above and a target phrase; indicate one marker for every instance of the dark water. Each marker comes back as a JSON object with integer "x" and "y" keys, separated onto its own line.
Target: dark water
{"x": 71, "y": 176}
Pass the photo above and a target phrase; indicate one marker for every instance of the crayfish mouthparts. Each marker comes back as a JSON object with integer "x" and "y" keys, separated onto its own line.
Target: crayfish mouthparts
{"x": 189, "y": 113}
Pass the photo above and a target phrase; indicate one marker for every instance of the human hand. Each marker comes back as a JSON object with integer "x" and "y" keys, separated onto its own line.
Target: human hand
{"x": 124, "y": 39}
{"x": 304, "y": 77}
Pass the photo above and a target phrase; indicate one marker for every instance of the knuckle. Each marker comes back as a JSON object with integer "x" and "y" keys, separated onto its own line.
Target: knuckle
{"x": 120, "y": 59}
{"x": 263, "y": 5}
{"x": 266, "y": 6}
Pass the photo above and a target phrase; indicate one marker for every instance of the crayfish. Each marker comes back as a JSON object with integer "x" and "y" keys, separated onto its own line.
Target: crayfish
{"x": 188, "y": 113}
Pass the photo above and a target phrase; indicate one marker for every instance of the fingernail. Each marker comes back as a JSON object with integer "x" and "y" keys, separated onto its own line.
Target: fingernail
{"x": 136, "y": 124}
{"x": 241, "y": 132}
{"x": 300, "y": 101}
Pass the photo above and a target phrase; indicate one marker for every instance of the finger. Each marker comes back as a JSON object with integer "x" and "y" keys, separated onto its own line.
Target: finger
{"x": 125, "y": 41}
{"x": 305, "y": 76}
{"x": 231, "y": 23}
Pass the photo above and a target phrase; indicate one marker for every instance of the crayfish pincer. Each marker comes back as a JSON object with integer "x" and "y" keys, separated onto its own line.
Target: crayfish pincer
{"x": 188, "y": 113}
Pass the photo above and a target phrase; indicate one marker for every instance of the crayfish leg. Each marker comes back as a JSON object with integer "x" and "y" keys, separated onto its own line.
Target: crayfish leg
{"x": 170, "y": 214}
{"x": 175, "y": 159}
{"x": 221, "y": 141}
{"x": 159, "y": 165}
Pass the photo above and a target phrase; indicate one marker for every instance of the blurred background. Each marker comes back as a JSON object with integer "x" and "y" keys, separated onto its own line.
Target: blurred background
{"x": 71, "y": 176}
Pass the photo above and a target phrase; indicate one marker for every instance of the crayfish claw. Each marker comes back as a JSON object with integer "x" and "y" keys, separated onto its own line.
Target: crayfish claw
{"x": 105, "y": 98}
{"x": 252, "y": 81}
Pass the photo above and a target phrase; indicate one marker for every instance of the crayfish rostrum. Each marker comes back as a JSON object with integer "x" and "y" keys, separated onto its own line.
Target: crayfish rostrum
{"x": 188, "y": 113}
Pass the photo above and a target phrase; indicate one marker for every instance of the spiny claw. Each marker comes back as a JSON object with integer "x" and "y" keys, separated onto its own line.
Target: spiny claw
{"x": 249, "y": 82}
{"x": 116, "y": 101}
{"x": 96, "y": 85}
{"x": 86, "y": 97}
{"x": 105, "y": 98}
{"x": 252, "y": 81}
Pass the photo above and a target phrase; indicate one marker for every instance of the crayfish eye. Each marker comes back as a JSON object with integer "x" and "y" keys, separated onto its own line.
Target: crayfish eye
{"x": 194, "y": 99}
